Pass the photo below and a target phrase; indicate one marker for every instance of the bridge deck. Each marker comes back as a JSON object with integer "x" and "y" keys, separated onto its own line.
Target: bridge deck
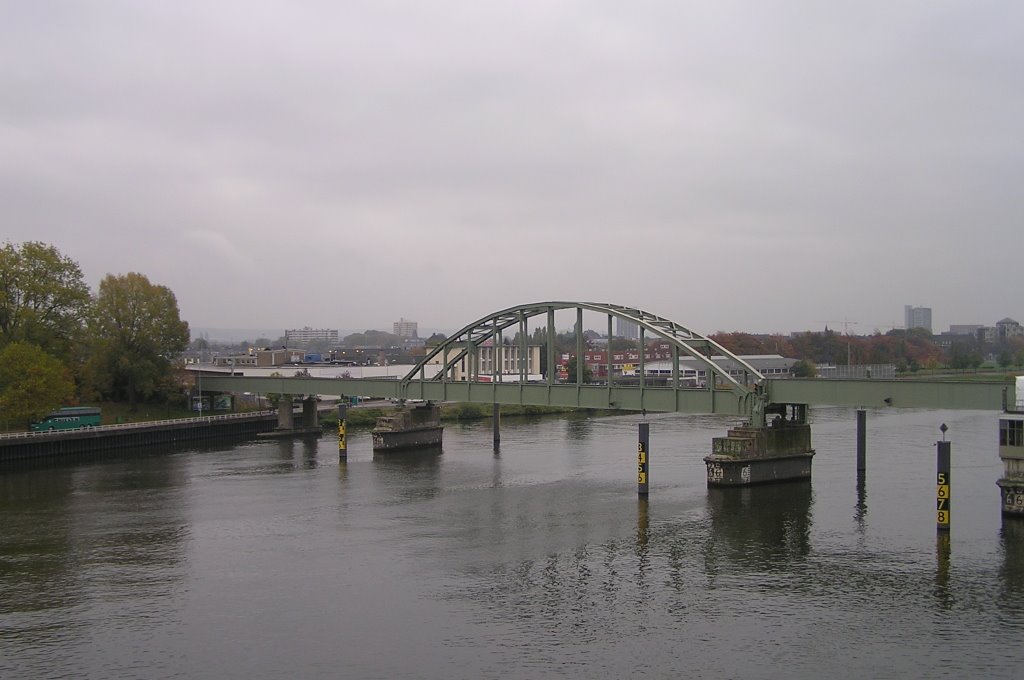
{"x": 869, "y": 393}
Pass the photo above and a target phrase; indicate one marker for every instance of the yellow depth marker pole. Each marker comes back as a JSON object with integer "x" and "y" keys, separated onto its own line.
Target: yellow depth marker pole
{"x": 642, "y": 462}
{"x": 342, "y": 443}
{"x": 942, "y": 478}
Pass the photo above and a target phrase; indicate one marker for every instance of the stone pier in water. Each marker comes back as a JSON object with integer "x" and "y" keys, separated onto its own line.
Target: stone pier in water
{"x": 778, "y": 451}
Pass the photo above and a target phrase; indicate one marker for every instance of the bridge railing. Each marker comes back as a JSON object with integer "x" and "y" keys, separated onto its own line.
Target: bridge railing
{"x": 139, "y": 425}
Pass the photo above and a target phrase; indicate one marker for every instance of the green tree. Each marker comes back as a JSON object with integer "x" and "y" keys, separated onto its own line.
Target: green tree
{"x": 138, "y": 335}
{"x": 32, "y": 383}
{"x": 43, "y": 299}
{"x": 960, "y": 356}
{"x": 588, "y": 375}
{"x": 805, "y": 368}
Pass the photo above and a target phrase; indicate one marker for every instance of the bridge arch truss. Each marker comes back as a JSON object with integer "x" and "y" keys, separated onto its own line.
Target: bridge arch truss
{"x": 722, "y": 391}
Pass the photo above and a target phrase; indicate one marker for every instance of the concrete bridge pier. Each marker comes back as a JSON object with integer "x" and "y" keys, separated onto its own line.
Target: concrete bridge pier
{"x": 286, "y": 419}
{"x": 777, "y": 451}
{"x": 1011, "y": 451}
{"x": 309, "y": 414}
{"x": 285, "y": 413}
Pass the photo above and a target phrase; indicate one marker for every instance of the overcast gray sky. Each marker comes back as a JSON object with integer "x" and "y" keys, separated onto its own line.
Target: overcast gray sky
{"x": 762, "y": 166}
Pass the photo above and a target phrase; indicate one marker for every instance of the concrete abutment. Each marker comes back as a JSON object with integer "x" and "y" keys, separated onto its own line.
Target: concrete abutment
{"x": 753, "y": 454}
{"x": 1011, "y": 452}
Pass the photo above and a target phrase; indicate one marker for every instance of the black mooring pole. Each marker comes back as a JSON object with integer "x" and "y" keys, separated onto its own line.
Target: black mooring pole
{"x": 862, "y": 440}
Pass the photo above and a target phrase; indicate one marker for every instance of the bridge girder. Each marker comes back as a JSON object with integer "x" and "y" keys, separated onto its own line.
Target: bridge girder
{"x": 932, "y": 394}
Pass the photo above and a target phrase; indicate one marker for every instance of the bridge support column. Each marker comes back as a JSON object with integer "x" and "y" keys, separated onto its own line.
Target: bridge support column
{"x": 309, "y": 414}
{"x": 286, "y": 419}
{"x": 285, "y": 413}
{"x": 862, "y": 441}
{"x": 496, "y": 423}
{"x": 778, "y": 452}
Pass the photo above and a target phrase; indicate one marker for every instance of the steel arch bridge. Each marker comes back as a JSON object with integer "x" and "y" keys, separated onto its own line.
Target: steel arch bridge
{"x": 746, "y": 394}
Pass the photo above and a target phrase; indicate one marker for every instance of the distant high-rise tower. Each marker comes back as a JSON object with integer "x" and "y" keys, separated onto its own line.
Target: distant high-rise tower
{"x": 627, "y": 329}
{"x": 405, "y": 329}
{"x": 918, "y": 317}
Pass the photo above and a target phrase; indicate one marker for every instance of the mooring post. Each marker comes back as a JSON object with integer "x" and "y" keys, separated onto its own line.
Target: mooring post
{"x": 943, "y": 497}
{"x": 342, "y": 439}
{"x": 643, "y": 450}
{"x": 496, "y": 424}
{"x": 862, "y": 440}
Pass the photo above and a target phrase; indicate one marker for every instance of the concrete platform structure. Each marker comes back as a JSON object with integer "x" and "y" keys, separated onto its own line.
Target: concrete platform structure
{"x": 751, "y": 454}
{"x": 412, "y": 427}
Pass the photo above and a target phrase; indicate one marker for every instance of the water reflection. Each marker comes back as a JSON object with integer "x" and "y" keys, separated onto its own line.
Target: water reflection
{"x": 427, "y": 458}
{"x": 34, "y": 553}
{"x": 759, "y": 527}
{"x": 860, "y": 510}
{"x": 298, "y": 452}
{"x": 1011, "y": 537}
{"x": 942, "y": 553}
{"x": 309, "y": 449}
{"x": 642, "y": 523}
{"x": 579, "y": 427}
{"x": 66, "y": 530}
{"x": 411, "y": 475}
{"x": 643, "y": 565}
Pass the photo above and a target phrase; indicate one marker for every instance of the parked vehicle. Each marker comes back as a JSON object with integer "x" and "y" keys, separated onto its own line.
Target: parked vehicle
{"x": 68, "y": 418}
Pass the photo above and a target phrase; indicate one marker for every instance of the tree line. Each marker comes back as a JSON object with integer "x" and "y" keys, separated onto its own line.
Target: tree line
{"x": 909, "y": 350}
{"x": 62, "y": 344}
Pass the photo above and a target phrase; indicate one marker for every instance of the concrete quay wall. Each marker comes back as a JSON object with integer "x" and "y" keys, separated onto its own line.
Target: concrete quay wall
{"x": 33, "y": 445}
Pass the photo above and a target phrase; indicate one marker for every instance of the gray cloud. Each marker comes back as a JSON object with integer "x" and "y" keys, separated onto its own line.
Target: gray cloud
{"x": 759, "y": 166}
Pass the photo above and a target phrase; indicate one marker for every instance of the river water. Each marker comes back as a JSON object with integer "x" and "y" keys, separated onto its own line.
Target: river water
{"x": 273, "y": 559}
